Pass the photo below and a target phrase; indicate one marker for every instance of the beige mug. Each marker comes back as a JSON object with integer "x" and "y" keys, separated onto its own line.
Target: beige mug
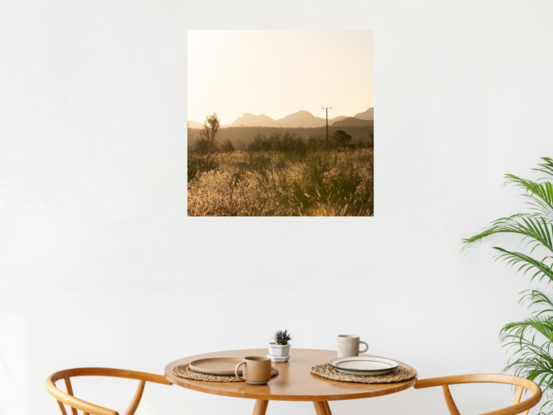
{"x": 348, "y": 345}
{"x": 257, "y": 370}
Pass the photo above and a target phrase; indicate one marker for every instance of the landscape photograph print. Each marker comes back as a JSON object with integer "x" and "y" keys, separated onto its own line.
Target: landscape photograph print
{"x": 280, "y": 123}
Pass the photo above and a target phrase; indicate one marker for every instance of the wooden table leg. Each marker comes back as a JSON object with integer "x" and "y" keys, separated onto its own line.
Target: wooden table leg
{"x": 322, "y": 408}
{"x": 260, "y": 407}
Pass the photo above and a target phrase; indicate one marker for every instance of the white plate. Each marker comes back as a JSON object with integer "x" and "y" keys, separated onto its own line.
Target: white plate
{"x": 364, "y": 365}
{"x": 282, "y": 359}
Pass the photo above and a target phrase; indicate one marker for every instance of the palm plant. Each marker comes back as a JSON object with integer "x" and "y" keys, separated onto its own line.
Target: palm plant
{"x": 532, "y": 338}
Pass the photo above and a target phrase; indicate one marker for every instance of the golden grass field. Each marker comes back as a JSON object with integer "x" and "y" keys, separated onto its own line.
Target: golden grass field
{"x": 321, "y": 182}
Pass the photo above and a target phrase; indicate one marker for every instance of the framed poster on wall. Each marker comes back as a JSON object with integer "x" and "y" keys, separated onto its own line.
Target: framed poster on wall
{"x": 280, "y": 123}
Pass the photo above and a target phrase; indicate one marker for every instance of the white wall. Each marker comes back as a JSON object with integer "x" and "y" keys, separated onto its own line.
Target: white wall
{"x": 100, "y": 265}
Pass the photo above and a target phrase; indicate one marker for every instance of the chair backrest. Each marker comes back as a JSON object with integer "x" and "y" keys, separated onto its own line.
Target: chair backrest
{"x": 87, "y": 408}
{"x": 515, "y": 409}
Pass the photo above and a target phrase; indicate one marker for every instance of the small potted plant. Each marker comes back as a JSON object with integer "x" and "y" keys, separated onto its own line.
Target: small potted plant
{"x": 279, "y": 350}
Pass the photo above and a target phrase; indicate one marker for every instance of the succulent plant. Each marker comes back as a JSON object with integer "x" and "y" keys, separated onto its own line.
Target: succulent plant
{"x": 282, "y": 337}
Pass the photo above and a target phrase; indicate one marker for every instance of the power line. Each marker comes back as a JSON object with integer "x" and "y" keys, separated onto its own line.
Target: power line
{"x": 327, "y": 108}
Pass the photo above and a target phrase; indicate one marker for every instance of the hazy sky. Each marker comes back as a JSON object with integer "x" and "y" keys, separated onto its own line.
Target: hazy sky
{"x": 278, "y": 72}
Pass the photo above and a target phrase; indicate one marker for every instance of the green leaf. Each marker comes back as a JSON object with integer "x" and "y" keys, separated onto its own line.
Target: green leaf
{"x": 527, "y": 263}
{"x": 532, "y": 227}
{"x": 546, "y": 167}
{"x": 540, "y": 195}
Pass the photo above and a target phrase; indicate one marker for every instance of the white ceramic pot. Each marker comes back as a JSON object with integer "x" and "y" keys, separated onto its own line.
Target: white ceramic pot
{"x": 278, "y": 350}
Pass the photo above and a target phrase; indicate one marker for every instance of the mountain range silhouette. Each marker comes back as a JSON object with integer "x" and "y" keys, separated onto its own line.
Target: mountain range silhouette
{"x": 298, "y": 119}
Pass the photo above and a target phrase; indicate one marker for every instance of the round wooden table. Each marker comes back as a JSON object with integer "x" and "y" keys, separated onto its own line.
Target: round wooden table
{"x": 295, "y": 382}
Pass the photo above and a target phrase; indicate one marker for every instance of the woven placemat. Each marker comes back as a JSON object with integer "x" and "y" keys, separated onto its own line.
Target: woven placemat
{"x": 400, "y": 374}
{"x": 184, "y": 371}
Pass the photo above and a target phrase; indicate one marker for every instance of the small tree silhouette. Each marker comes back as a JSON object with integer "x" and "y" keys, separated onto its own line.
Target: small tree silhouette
{"x": 342, "y": 137}
{"x": 206, "y": 146}
{"x": 209, "y": 134}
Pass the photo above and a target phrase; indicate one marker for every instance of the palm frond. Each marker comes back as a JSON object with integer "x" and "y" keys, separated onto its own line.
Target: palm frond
{"x": 532, "y": 339}
{"x": 536, "y": 297}
{"x": 532, "y": 227}
{"x": 532, "y": 359}
{"x": 527, "y": 263}
{"x": 537, "y": 323}
{"x": 546, "y": 167}
{"x": 540, "y": 195}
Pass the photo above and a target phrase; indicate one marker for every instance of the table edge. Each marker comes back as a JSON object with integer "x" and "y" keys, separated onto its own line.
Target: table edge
{"x": 401, "y": 386}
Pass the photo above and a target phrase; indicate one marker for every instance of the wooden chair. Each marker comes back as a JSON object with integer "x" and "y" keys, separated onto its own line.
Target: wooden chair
{"x": 517, "y": 407}
{"x": 89, "y": 408}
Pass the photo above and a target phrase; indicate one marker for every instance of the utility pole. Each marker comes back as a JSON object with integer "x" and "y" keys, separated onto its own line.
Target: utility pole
{"x": 327, "y": 108}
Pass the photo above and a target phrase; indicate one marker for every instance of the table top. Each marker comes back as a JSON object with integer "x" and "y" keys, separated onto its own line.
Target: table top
{"x": 295, "y": 382}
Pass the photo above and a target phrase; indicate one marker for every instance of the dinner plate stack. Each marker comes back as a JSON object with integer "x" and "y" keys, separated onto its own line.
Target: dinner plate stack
{"x": 364, "y": 365}
{"x": 216, "y": 366}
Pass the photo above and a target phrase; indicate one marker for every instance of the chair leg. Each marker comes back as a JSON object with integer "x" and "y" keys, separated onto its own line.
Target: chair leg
{"x": 322, "y": 408}
{"x": 260, "y": 407}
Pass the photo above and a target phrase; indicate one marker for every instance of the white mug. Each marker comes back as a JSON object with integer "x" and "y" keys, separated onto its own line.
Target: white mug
{"x": 348, "y": 345}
